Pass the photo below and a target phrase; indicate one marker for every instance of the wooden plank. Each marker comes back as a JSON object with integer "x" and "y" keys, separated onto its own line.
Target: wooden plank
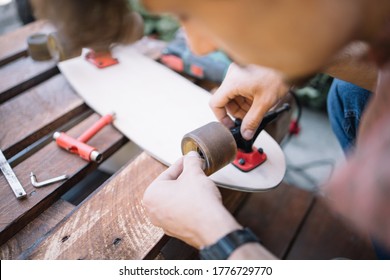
{"x": 111, "y": 224}
{"x": 22, "y": 75}
{"x": 326, "y": 236}
{"x": 49, "y": 162}
{"x": 14, "y": 44}
{"x": 275, "y": 216}
{"x": 35, "y": 230}
{"x": 37, "y": 112}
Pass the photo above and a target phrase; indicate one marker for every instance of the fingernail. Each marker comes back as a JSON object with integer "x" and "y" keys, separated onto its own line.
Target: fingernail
{"x": 248, "y": 134}
{"x": 193, "y": 154}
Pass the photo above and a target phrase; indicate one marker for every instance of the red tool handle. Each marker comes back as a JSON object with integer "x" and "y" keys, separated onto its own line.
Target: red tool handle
{"x": 74, "y": 146}
{"x": 102, "y": 122}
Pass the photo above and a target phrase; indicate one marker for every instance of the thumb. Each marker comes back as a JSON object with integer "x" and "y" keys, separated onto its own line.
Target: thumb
{"x": 253, "y": 119}
{"x": 193, "y": 163}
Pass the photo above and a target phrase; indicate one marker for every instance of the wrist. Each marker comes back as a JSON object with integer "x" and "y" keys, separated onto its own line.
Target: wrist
{"x": 219, "y": 223}
{"x": 230, "y": 243}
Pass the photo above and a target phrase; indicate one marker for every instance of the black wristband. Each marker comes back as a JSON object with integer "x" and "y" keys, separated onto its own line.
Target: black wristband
{"x": 225, "y": 246}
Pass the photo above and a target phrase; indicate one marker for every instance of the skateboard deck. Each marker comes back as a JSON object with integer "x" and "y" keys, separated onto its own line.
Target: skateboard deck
{"x": 155, "y": 107}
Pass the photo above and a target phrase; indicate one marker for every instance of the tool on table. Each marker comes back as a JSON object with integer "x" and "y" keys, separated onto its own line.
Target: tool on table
{"x": 219, "y": 146}
{"x": 178, "y": 56}
{"x": 37, "y": 184}
{"x": 78, "y": 146}
{"x": 11, "y": 177}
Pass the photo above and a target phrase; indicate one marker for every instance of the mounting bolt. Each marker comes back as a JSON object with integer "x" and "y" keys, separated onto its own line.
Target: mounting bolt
{"x": 260, "y": 150}
{"x": 241, "y": 161}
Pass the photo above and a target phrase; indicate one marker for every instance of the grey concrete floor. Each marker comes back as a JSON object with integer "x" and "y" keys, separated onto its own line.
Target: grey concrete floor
{"x": 313, "y": 153}
{"x": 8, "y": 17}
{"x": 310, "y": 156}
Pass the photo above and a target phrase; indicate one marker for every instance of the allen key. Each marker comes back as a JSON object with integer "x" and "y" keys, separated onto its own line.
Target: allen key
{"x": 37, "y": 184}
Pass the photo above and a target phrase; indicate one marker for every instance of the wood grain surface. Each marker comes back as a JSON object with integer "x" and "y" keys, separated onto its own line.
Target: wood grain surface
{"x": 23, "y": 74}
{"x": 275, "y": 216}
{"x": 111, "y": 224}
{"x": 49, "y": 162}
{"x": 35, "y": 230}
{"x": 41, "y": 110}
{"x": 325, "y": 236}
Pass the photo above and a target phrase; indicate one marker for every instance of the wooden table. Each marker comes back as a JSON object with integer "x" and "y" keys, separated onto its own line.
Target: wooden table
{"x": 35, "y": 101}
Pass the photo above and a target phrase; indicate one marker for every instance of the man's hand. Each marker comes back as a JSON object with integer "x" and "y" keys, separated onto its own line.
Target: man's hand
{"x": 247, "y": 93}
{"x": 187, "y": 204}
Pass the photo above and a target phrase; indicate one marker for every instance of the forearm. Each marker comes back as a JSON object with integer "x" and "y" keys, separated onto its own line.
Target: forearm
{"x": 351, "y": 65}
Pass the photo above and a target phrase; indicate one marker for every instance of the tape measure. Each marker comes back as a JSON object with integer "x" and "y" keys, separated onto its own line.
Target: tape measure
{"x": 11, "y": 177}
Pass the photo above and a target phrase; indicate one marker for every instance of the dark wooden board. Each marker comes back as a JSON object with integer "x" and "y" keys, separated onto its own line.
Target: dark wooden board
{"x": 34, "y": 231}
{"x": 111, "y": 224}
{"x": 49, "y": 162}
{"x": 326, "y": 236}
{"x": 276, "y": 215}
{"x": 23, "y": 74}
{"x": 44, "y": 108}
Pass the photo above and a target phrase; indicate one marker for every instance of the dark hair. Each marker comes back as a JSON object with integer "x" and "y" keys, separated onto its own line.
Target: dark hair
{"x": 91, "y": 23}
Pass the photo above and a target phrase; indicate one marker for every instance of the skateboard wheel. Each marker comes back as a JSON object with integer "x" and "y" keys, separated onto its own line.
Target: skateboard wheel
{"x": 214, "y": 143}
{"x": 57, "y": 48}
{"x": 37, "y": 47}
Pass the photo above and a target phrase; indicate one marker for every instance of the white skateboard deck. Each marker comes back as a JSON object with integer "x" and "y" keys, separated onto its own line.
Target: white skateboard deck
{"x": 155, "y": 107}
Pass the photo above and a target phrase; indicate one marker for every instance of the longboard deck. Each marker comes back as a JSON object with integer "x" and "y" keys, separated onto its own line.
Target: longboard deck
{"x": 155, "y": 107}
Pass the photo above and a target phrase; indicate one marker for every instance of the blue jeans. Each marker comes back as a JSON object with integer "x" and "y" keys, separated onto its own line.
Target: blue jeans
{"x": 346, "y": 103}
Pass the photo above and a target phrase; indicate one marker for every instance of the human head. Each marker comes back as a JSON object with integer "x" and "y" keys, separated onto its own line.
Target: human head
{"x": 296, "y": 37}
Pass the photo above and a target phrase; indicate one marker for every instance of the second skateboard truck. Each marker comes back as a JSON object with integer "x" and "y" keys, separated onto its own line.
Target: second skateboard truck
{"x": 219, "y": 146}
{"x": 79, "y": 146}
